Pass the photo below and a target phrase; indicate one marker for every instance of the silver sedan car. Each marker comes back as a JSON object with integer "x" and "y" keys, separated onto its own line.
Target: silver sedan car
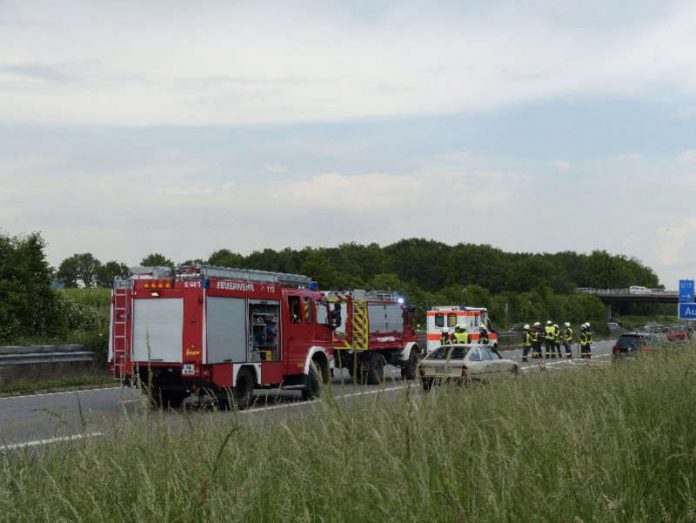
{"x": 463, "y": 364}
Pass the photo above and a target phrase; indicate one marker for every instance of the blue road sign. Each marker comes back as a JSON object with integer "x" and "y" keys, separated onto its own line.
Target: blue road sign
{"x": 687, "y": 311}
{"x": 686, "y": 291}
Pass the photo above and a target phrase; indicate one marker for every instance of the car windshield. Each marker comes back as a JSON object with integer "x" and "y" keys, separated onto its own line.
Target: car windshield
{"x": 458, "y": 352}
{"x": 633, "y": 340}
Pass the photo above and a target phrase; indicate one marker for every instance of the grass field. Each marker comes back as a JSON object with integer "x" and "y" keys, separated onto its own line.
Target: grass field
{"x": 613, "y": 442}
{"x": 29, "y": 386}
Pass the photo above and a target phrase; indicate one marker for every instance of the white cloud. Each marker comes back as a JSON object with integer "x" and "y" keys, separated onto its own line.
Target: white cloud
{"x": 561, "y": 166}
{"x": 627, "y": 157}
{"x": 678, "y": 244}
{"x": 277, "y": 168}
{"x": 235, "y": 63}
{"x": 687, "y": 157}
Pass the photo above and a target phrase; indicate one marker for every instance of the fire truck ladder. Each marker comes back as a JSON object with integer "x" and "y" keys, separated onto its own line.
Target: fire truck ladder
{"x": 208, "y": 271}
{"x": 120, "y": 338}
{"x": 360, "y": 325}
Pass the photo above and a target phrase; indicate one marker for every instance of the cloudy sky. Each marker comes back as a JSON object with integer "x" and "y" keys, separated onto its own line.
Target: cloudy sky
{"x": 179, "y": 127}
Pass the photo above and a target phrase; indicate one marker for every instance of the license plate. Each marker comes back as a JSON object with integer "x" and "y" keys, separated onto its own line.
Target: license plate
{"x": 189, "y": 369}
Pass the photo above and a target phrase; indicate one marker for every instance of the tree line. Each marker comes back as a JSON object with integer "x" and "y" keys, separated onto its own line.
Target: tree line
{"x": 516, "y": 287}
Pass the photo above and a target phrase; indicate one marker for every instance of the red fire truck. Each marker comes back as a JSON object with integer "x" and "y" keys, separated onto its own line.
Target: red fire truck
{"x": 372, "y": 329}
{"x": 222, "y": 331}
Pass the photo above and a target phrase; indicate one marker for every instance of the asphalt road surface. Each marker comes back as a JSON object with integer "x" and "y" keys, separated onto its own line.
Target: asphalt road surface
{"x": 42, "y": 419}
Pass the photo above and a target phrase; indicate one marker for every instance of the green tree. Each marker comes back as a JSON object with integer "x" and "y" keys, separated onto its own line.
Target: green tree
{"x": 110, "y": 270}
{"x": 79, "y": 268}
{"x": 156, "y": 260}
{"x": 319, "y": 267}
{"x": 226, "y": 258}
{"x": 28, "y": 305}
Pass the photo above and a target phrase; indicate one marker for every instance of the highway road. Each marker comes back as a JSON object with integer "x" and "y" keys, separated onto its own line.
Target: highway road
{"x": 42, "y": 419}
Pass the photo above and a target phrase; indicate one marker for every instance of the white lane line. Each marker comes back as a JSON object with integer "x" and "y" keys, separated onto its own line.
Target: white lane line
{"x": 38, "y": 442}
{"x": 57, "y": 393}
{"x": 574, "y": 362}
{"x": 303, "y": 403}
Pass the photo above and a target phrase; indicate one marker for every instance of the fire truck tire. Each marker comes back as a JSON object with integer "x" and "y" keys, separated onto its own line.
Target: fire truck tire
{"x": 243, "y": 389}
{"x": 408, "y": 371}
{"x": 314, "y": 380}
{"x": 163, "y": 399}
{"x": 375, "y": 369}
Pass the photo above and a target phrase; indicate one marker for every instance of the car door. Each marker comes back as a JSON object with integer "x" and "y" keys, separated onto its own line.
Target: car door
{"x": 475, "y": 363}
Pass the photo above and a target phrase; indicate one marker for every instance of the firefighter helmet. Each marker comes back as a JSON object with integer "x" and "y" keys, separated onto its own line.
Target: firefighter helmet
{"x": 526, "y": 326}
{"x": 567, "y": 324}
{"x": 548, "y": 322}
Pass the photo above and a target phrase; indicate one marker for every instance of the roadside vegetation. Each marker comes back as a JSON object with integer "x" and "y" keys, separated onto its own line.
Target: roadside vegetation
{"x": 74, "y": 382}
{"x": 608, "y": 442}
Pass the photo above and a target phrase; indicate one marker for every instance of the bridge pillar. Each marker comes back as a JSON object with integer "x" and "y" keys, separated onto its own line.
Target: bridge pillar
{"x": 608, "y": 311}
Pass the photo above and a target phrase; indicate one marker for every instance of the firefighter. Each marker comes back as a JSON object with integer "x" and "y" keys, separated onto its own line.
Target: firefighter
{"x": 460, "y": 334}
{"x": 567, "y": 336}
{"x": 526, "y": 342}
{"x": 444, "y": 337}
{"x": 557, "y": 339}
{"x": 588, "y": 341}
{"x": 536, "y": 340}
{"x": 550, "y": 340}
{"x": 483, "y": 335}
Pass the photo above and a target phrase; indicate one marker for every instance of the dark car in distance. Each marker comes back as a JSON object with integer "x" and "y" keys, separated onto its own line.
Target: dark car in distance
{"x": 634, "y": 342}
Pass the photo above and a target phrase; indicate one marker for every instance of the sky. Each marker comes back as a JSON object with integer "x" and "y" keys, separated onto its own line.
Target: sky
{"x": 130, "y": 127}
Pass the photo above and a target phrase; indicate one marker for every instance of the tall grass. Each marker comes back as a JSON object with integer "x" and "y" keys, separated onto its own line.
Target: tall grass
{"x": 610, "y": 442}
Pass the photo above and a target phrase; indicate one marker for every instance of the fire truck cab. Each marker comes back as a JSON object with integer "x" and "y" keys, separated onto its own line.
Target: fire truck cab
{"x": 220, "y": 331}
{"x": 373, "y": 329}
{"x": 447, "y": 317}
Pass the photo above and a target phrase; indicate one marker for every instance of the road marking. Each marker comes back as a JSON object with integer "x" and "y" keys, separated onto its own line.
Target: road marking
{"x": 552, "y": 364}
{"x": 303, "y": 403}
{"x": 38, "y": 442}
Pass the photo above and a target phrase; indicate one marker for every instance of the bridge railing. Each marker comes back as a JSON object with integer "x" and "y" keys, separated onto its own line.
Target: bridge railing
{"x": 628, "y": 291}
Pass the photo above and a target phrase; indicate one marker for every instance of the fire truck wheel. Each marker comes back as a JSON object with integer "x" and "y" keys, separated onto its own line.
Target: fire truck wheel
{"x": 375, "y": 369}
{"x": 408, "y": 372}
{"x": 313, "y": 382}
{"x": 243, "y": 389}
{"x": 163, "y": 399}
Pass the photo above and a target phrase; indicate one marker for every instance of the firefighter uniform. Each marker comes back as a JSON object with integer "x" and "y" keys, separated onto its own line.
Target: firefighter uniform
{"x": 586, "y": 342}
{"x": 526, "y": 342}
{"x": 536, "y": 341}
{"x": 550, "y": 339}
{"x": 557, "y": 339}
{"x": 444, "y": 337}
{"x": 460, "y": 335}
{"x": 483, "y": 336}
{"x": 567, "y": 336}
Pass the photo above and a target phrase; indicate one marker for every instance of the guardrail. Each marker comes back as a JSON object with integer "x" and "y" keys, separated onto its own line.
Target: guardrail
{"x": 629, "y": 292}
{"x": 11, "y": 356}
